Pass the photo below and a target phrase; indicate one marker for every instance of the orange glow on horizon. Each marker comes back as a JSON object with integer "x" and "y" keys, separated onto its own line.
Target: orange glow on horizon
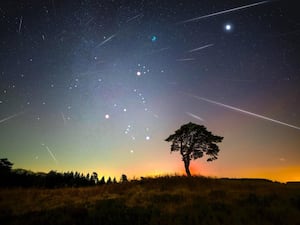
{"x": 281, "y": 174}
{"x": 175, "y": 166}
{"x": 195, "y": 168}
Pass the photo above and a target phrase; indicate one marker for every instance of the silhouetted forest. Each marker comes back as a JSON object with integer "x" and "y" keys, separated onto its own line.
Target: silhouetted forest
{"x": 53, "y": 179}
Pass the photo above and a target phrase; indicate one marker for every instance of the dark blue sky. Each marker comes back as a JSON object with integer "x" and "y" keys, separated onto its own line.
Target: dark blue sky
{"x": 98, "y": 85}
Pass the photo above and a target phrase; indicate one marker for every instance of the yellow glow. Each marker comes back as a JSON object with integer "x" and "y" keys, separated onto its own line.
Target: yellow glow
{"x": 282, "y": 174}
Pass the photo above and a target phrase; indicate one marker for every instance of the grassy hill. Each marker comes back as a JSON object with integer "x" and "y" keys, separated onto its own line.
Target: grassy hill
{"x": 162, "y": 200}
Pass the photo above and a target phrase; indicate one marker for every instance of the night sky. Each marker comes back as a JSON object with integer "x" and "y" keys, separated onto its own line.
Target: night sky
{"x": 95, "y": 85}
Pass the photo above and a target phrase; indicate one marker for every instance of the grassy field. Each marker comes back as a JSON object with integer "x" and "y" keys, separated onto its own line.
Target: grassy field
{"x": 162, "y": 200}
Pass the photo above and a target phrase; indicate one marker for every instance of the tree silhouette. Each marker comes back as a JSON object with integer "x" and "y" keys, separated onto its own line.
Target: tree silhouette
{"x": 193, "y": 141}
{"x": 25, "y": 178}
{"x": 5, "y": 172}
{"x": 102, "y": 181}
{"x": 5, "y": 165}
{"x": 94, "y": 177}
{"x": 109, "y": 181}
{"x": 124, "y": 178}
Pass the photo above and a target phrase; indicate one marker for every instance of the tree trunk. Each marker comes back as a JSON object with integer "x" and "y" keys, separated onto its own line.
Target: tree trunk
{"x": 186, "y": 166}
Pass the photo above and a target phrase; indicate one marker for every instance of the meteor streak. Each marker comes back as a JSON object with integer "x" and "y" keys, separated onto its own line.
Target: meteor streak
{"x": 20, "y": 24}
{"x": 50, "y": 152}
{"x": 106, "y": 40}
{"x": 157, "y": 51}
{"x": 135, "y": 17}
{"x": 245, "y": 112}
{"x": 200, "y": 48}
{"x": 63, "y": 117}
{"x": 11, "y": 117}
{"x": 223, "y": 12}
{"x": 185, "y": 59}
{"x": 194, "y": 116}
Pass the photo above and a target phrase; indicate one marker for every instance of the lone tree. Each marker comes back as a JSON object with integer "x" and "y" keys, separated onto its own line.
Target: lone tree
{"x": 193, "y": 140}
{"x": 5, "y": 165}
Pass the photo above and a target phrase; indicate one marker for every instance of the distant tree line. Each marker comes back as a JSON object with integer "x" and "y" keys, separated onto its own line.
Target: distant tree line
{"x": 23, "y": 178}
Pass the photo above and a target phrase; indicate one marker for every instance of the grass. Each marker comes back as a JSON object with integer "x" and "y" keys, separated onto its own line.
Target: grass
{"x": 161, "y": 200}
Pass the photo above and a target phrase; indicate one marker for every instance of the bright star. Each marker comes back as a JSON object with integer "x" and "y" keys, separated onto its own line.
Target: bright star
{"x": 106, "y": 116}
{"x": 138, "y": 73}
{"x": 228, "y": 27}
{"x": 153, "y": 38}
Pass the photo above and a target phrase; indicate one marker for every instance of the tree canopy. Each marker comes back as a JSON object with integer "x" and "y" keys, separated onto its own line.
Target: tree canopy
{"x": 5, "y": 165}
{"x": 193, "y": 141}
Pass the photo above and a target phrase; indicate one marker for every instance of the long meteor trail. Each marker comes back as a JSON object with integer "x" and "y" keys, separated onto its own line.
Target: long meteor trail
{"x": 244, "y": 111}
{"x": 135, "y": 17}
{"x": 185, "y": 59}
{"x": 157, "y": 51}
{"x": 194, "y": 116}
{"x": 50, "y": 152}
{"x": 64, "y": 118}
{"x": 223, "y": 12}
{"x": 11, "y": 117}
{"x": 200, "y": 48}
{"x": 106, "y": 40}
{"x": 20, "y": 24}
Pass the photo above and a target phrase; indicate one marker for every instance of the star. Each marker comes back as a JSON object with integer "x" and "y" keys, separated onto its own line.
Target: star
{"x": 153, "y": 38}
{"x": 228, "y": 27}
{"x": 107, "y": 116}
